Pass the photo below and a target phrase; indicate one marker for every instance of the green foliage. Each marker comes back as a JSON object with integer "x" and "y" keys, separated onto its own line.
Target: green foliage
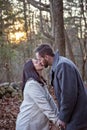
{"x": 6, "y": 53}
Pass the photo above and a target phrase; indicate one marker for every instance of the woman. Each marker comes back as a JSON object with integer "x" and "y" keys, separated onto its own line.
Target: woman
{"x": 38, "y": 106}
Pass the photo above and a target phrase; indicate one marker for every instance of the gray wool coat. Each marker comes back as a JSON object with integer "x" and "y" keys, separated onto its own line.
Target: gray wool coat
{"x": 37, "y": 108}
{"x": 70, "y": 93}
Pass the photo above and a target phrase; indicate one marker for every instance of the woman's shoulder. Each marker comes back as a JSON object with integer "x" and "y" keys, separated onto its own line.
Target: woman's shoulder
{"x": 33, "y": 86}
{"x": 32, "y": 82}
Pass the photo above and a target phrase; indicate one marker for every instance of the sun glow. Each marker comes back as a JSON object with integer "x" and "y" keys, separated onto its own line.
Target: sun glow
{"x": 16, "y": 32}
{"x": 17, "y": 37}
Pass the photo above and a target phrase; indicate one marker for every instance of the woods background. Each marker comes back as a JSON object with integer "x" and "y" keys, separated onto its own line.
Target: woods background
{"x": 26, "y": 23}
{"x": 23, "y": 25}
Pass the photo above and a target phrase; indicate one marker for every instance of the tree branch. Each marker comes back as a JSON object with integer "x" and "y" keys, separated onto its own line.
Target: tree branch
{"x": 69, "y": 47}
{"x": 39, "y": 5}
{"x": 12, "y": 16}
{"x": 42, "y": 30}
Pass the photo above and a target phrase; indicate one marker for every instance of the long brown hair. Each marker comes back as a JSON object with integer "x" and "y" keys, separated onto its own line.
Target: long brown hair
{"x": 29, "y": 71}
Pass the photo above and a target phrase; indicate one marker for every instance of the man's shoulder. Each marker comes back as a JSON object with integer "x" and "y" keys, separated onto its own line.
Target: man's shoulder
{"x": 64, "y": 60}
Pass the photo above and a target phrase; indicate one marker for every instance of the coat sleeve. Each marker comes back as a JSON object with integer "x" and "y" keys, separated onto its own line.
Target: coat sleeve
{"x": 66, "y": 77}
{"x": 43, "y": 102}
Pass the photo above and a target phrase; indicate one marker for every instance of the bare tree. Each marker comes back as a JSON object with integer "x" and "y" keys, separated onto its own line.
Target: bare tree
{"x": 55, "y": 8}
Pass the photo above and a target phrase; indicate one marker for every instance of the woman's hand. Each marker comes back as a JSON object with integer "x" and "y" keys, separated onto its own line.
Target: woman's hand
{"x": 60, "y": 124}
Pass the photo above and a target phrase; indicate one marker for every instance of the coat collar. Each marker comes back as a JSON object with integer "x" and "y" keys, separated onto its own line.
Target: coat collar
{"x": 55, "y": 60}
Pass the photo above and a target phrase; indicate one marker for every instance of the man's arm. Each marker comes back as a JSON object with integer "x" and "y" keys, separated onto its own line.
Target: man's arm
{"x": 68, "y": 84}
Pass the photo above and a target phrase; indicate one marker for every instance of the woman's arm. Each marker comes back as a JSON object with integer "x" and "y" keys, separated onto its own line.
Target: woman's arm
{"x": 38, "y": 94}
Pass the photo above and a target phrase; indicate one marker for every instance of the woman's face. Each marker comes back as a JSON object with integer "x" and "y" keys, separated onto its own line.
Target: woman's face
{"x": 37, "y": 65}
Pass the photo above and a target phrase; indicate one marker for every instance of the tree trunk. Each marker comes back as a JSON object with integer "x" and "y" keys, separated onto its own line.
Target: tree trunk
{"x": 25, "y": 18}
{"x": 59, "y": 26}
{"x": 56, "y": 10}
{"x": 69, "y": 48}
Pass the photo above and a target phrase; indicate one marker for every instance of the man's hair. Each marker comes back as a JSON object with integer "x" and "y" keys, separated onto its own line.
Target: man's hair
{"x": 44, "y": 49}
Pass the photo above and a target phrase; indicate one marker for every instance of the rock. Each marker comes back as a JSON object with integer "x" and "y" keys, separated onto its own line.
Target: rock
{"x": 14, "y": 85}
{"x": 2, "y": 91}
{"x": 9, "y": 90}
{"x": 13, "y": 94}
{"x": 6, "y": 84}
{"x": 7, "y": 95}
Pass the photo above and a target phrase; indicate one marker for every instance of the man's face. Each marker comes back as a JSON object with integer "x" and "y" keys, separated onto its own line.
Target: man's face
{"x": 43, "y": 60}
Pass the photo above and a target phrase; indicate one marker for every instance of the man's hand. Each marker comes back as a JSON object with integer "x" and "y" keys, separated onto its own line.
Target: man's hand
{"x": 60, "y": 124}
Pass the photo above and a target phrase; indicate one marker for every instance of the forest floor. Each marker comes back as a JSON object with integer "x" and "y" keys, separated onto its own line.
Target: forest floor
{"x": 9, "y": 108}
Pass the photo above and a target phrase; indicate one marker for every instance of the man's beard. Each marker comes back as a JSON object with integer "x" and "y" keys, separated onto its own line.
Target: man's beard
{"x": 46, "y": 64}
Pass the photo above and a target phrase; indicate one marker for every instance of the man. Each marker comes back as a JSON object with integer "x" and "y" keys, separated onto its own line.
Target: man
{"x": 68, "y": 87}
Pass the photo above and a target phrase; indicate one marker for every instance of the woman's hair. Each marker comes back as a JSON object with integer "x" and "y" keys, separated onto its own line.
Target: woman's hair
{"x": 44, "y": 49}
{"x": 29, "y": 71}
